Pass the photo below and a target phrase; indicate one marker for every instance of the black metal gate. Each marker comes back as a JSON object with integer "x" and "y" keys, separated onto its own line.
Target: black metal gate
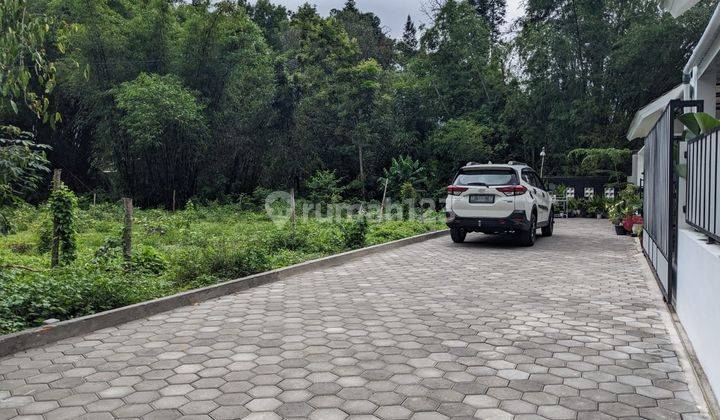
{"x": 660, "y": 208}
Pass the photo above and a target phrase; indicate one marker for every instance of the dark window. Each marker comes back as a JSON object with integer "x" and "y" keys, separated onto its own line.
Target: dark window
{"x": 489, "y": 177}
{"x": 532, "y": 178}
{"x": 538, "y": 181}
{"x": 527, "y": 176}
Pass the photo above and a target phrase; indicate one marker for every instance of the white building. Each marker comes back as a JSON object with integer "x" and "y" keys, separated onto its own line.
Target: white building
{"x": 686, "y": 262}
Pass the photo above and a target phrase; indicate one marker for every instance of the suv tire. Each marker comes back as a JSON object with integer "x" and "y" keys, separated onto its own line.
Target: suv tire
{"x": 527, "y": 237}
{"x": 458, "y": 235}
{"x": 548, "y": 230}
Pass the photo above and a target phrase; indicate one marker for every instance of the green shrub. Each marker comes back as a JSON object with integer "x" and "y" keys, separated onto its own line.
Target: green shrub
{"x": 259, "y": 196}
{"x": 226, "y": 262}
{"x": 45, "y": 235}
{"x": 233, "y": 263}
{"x": 204, "y": 280}
{"x": 394, "y": 230}
{"x": 63, "y": 207}
{"x": 354, "y": 232}
{"x": 173, "y": 252}
{"x": 311, "y": 237}
{"x": 148, "y": 259}
{"x": 324, "y": 187}
{"x": 290, "y": 237}
{"x": 67, "y": 292}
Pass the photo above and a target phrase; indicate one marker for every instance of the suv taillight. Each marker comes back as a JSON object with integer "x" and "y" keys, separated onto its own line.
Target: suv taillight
{"x": 514, "y": 190}
{"x": 455, "y": 190}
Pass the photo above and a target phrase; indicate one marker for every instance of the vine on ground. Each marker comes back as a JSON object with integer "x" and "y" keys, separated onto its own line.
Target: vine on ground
{"x": 63, "y": 207}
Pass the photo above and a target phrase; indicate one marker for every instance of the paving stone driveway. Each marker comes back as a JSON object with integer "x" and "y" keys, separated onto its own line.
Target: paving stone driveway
{"x": 568, "y": 329}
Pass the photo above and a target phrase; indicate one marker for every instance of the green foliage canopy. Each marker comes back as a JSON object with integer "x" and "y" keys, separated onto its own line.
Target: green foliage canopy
{"x": 275, "y": 95}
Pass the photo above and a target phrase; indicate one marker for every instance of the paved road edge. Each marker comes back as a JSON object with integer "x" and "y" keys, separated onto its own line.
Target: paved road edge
{"x": 700, "y": 389}
{"x": 40, "y": 336}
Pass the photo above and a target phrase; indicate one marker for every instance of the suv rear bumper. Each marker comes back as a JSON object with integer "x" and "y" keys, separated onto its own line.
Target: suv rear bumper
{"x": 516, "y": 221}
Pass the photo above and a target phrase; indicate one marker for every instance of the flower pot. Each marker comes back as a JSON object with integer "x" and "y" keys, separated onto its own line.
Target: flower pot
{"x": 637, "y": 229}
{"x": 620, "y": 230}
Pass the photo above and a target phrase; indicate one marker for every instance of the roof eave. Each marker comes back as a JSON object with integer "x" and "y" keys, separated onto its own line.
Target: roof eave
{"x": 648, "y": 115}
{"x": 708, "y": 39}
{"x": 678, "y": 7}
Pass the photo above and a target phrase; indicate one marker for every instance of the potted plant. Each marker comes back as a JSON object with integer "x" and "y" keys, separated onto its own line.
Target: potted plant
{"x": 630, "y": 223}
{"x": 615, "y": 214}
{"x": 596, "y": 207}
{"x": 583, "y": 207}
{"x": 573, "y": 207}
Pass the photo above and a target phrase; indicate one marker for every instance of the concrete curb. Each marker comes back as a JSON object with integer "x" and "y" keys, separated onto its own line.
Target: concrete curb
{"x": 700, "y": 389}
{"x": 40, "y": 336}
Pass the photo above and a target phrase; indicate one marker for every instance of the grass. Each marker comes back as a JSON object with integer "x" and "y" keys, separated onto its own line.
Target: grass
{"x": 172, "y": 252}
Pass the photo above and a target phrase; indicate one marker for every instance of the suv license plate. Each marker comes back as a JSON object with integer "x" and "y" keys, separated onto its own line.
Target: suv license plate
{"x": 482, "y": 199}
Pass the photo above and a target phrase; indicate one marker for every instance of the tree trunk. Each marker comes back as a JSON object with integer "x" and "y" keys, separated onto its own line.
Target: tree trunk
{"x": 292, "y": 207}
{"x": 55, "y": 253}
{"x": 127, "y": 229}
{"x": 382, "y": 204}
{"x": 362, "y": 171}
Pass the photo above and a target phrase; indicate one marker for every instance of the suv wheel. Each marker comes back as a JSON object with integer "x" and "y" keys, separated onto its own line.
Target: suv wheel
{"x": 548, "y": 230}
{"x": 458, "y": 235}
{"x": 527, "y": 238}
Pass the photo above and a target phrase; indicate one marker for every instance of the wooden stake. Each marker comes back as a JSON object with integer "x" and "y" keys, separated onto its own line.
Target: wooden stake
{"x": 173, "y": 202}
{"x": 362, "y": 170}
{"x": 127, "y": 230}
{"x": 55, "y": 248}
{"x": 382, "y": 204}
{"x": 292, "y": 206}
{"x": 94, "y": 199}
{"x": 56, "y": 179}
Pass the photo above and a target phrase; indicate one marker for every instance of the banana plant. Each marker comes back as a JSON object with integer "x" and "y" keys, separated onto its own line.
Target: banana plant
{"x": 697, "y": 124}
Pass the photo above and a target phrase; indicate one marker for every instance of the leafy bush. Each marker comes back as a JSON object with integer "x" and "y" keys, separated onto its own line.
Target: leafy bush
{"x": 148, "y": 259}
{"x": 233, "y": 263}
{"x": 596, "y": 205}
{"x": 324, "y": 187}
{"x": 259, "y": 196}
{"x": 290, "y": 237}
{"x": 63, "y": 207}
{"x": 613, "y": 162}
{"x": 394, "y": 230}
{"x": 404, "y": 170}
{"x": 173, "y": 252}
{"x": 311, "y": 237}
{"x": 354, "y": 232}
{"x": 628, "y": 203}
{"x": 224, "y": 262}
{"x": 27, "y": 299}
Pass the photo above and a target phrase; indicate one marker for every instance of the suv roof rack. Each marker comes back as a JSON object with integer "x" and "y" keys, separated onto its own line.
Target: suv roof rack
{"x": 472, "y": 164}
{"x": 513, "y": 163}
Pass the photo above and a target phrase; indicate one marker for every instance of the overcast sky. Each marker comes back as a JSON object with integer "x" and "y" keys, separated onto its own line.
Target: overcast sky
{"x": 393, "y": 13}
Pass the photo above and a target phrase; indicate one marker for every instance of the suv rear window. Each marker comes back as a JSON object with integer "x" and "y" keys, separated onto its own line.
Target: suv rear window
{"x": 489, "y": 177}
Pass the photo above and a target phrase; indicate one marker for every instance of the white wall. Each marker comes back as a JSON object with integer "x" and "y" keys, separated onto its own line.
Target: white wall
{"x": 698, "y": 300}
{"x": 704, "y": 88}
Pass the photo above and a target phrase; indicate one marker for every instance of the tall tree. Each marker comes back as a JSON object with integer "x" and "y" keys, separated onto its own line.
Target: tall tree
{"x": 163, "y": 134}
{"x": 272, "y": 19}
{"x": 365, "y": 29}
{"x": 493, "y": 11}
{"x": 27, "y": 78}
{"x": 409, "y": 44}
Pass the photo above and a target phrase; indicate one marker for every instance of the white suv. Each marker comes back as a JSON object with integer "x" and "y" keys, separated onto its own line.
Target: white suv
{"x": 497, "y": 199}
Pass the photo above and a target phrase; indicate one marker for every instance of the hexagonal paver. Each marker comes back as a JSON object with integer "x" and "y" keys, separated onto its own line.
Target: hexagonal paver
{"x": 432, "y": 330}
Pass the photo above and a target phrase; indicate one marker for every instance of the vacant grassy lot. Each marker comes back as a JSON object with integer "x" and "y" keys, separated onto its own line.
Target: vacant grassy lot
{"x": 172, "y": 252}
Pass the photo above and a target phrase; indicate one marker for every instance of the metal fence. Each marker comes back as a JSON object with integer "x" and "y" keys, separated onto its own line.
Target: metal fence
{"x": 658, "y": 196}
{"x": 703, "y": 188}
